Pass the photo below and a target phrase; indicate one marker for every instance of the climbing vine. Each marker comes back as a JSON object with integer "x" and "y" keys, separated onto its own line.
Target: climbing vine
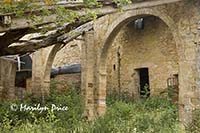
{"x": 33, "y": 8}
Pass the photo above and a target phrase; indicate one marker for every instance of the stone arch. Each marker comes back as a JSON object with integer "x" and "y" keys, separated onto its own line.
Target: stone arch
{"x": 49, "y": 63}
{"x": 41, "y": 70}
{"x": 111, "y": 33}
{"x": 125, "y": 18}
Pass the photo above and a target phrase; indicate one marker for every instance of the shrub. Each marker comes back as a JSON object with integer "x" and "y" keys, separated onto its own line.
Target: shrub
{"x": 10, "y": 120}
{"x": 154, "y": 114}
{"x": 194, "y": 127}
{"x": 139, "y": 117}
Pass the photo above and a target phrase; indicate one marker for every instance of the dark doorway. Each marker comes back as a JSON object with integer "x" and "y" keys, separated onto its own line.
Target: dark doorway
{"x": 144, "y": 82}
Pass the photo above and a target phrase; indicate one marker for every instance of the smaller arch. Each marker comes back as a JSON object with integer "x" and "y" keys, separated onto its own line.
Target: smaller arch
{"x": 48, "y": 66}
{"x": 41, "y": 70}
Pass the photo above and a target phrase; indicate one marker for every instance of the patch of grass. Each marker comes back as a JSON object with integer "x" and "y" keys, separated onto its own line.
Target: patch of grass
{"x": 35, "y": 120}
{"x": 154, "y": 114}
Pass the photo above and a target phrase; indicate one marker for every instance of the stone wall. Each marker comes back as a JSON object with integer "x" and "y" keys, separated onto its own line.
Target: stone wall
{"x": 152, "y": 47}
{"x": 46, "y": 58}
{"x": 7, "y": 79}
{"x": 64, "y": 82}
{"x": 70, "y": 54}
{"x": 181, "y": 19}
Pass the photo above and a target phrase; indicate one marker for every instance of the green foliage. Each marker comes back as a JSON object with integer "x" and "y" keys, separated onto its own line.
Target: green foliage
{"x": 138, "y": 117}
{"x": 154, "y": 114}
{"x": 91, "y": 3}
{"x": 36, "y": 13}
{"x": 65, "y": 15}
{"x": 113, "y": 96}
{"x": 36, "y": 121}
{"x": 123, "y": 2}
{"x": 194, "y": 127}
{"x": 146, "y": 91}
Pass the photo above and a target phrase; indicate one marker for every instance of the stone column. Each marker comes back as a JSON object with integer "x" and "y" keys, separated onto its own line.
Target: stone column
{"x": 198, "y": 55}
{"x": 38, "y": 64}
{"x": 100, "y": 94}
{"x": 189, "y": 80}
{"x": 41, "y": 70}
{"x": 7, "y": 79}
{"x": 87, "y": 73}
{"x": 187, "y": 91}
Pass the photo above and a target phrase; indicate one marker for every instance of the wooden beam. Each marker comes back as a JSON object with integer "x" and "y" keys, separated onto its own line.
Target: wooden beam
{"x": 31, "y": 46}
{"x": 10, "y": 37}
{"x": 19, "y": 23}
{"x": 59, "y": 36}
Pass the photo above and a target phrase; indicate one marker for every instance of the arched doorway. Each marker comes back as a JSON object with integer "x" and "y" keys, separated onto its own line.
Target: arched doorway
{"x": 142, "y": 57}
{"x": 109, "y": 36}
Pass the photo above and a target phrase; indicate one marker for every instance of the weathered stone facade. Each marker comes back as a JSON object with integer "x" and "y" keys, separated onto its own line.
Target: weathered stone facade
{"x": 7, "y": 79}
{"x": 171, "y": 45}
{"x": 70, "y": 54}
{"x": 167, "y": 46}
{"x": 53, "y": 56}
{"x": 114, "y": 52}
{"x": 152, "y": 47}
{"x": 65, "y": 82}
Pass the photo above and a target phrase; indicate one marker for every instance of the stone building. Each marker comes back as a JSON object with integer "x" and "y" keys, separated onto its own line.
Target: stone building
{"x": 116, "y": 55}
{"x": 150, "y": 42}
{"x": 122, "y": 55}
{"x": 142, "y": 55}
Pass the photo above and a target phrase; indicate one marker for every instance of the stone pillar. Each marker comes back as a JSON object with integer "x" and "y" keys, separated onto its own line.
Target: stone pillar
{"x": 38, "y": 64}
{"x": 87, "y": 73}
{"x": 7, "y": 79}
{"x": 100, "y": 94}
{"x": 41, "y": 70}
{"x": 187, "y": 91}
{"x": 189, "y": 81}
{"x": 198, "y": 55}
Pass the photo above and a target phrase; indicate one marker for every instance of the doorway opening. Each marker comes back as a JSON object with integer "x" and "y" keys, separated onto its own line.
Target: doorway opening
{"x": 144, "y": 87}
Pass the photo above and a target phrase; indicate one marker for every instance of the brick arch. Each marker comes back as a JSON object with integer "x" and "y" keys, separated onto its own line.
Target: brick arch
{"x": 109, "y": 37}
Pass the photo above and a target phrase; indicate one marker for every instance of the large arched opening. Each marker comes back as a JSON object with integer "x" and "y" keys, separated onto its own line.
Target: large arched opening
{"x": 171, "y": 65}
{"x": 142, "y": 58}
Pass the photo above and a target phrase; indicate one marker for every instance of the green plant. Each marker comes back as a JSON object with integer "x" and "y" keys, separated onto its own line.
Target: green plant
{"x": 113, "y": 96}
{"x": 154, "y": 114}
{"x": 194, "y": 127}
{"x": 145, "y": 91}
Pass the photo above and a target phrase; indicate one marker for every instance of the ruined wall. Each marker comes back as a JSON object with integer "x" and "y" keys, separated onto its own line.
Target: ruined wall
{"x": 70, "y": 54}
{"x": 187, "y": 15}
{"x": 181, "y": 18}
{"x": 63, "y": 83}
{"x": 7, "y": 79}
{"x": 152, "y": 47}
